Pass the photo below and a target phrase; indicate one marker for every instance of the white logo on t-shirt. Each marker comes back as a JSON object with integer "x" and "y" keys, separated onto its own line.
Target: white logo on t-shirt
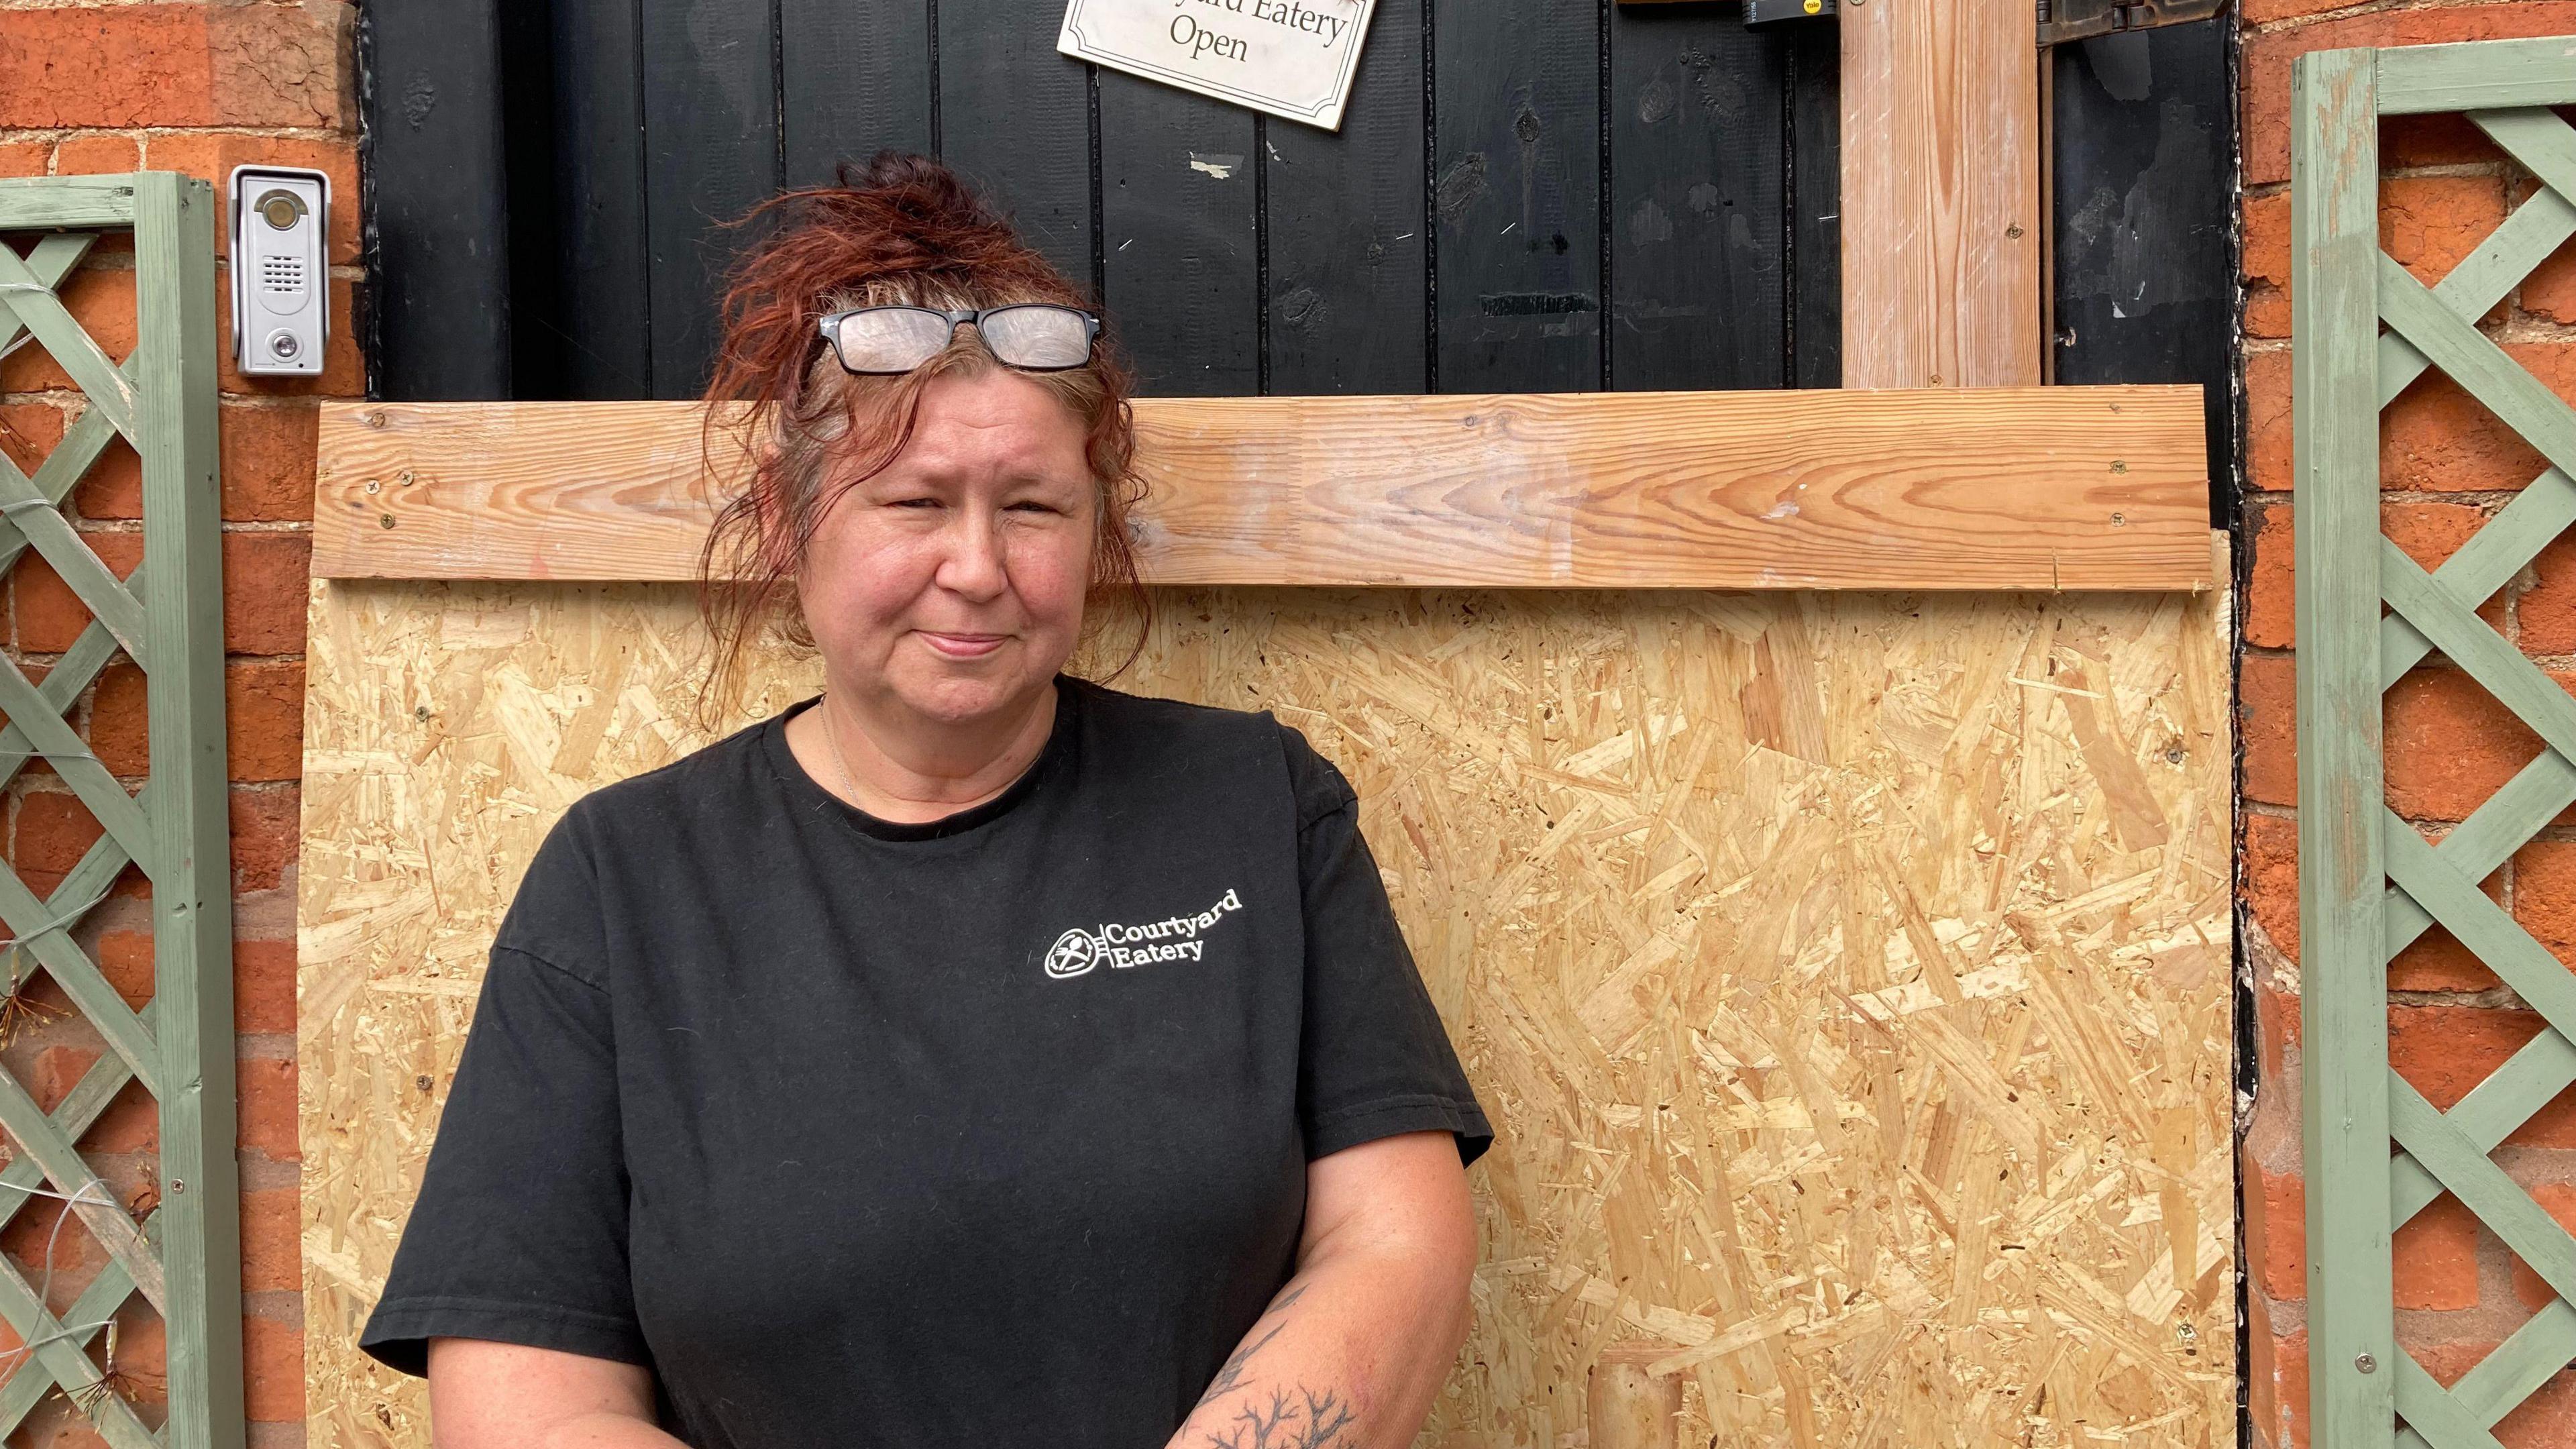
{"x": 1173, "y": 938}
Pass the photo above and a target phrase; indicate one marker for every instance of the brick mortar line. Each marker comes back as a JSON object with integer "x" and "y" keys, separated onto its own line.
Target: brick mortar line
{"x": 122, "y": 262}
{"x": 145, "y": 130}
{"x": 64, "y": 396}
{"x": 2282, "y": 497}
{"x": 132, "y": 4}
{"x": 47, "y": 782}
{"x": 83, "y": 524}
{"x": 2283, "y": 25}
{"x": 48, "y": 658}
{"x": 2500, "y": 165}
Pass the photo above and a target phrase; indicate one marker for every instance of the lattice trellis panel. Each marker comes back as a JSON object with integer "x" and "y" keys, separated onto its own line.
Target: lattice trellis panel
{"x": 182, "y": 1254}
{"x": 2369, "y": 884}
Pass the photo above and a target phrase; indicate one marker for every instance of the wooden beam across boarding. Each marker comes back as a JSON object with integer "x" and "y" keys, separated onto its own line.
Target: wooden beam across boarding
{"x": 2021, "y": 488}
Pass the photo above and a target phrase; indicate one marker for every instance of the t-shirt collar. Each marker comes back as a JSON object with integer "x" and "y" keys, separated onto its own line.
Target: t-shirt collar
{"x": 1051, "y": 758}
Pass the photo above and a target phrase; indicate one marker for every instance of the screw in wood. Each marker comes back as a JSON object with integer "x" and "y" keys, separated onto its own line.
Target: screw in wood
{"x": 2365, "y": 1363}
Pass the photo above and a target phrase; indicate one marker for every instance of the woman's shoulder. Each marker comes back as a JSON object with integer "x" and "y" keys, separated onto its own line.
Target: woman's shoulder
{"x": 1169, "y": 733}
{"x": 1150, "y": 721}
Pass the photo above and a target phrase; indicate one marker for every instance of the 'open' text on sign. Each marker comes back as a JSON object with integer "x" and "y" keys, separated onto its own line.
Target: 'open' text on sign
{"x": 1292, "y": 58}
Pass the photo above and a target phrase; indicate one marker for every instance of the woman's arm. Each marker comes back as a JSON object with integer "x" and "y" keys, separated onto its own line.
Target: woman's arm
{"x": 1355, "y": 1347}
{"x": 486, "y": 1395}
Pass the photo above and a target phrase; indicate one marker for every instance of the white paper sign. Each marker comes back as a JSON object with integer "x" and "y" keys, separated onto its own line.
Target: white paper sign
{"x": 1292, "y": 58}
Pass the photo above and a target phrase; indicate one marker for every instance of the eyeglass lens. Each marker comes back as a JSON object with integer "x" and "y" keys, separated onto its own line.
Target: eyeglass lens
{"x": 899, "y": 339}
{"x": 891, "y": 339}
{"x": 1038, "y": 336}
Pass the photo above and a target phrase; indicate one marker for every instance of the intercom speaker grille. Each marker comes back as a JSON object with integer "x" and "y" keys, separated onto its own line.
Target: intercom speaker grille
{"x": 282, "y": 276}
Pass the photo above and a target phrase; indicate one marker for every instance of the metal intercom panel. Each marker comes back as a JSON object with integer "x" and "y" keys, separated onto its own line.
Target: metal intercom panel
{"x": 281, "y": 273}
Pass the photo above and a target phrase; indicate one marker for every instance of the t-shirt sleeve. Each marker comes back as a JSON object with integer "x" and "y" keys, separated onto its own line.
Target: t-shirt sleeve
{"x": 1374, "y": 1060}
{"x": 519, "y": 1232}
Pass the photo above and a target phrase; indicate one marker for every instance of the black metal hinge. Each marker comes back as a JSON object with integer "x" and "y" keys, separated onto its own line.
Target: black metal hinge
{"x": 2065, "y": 20}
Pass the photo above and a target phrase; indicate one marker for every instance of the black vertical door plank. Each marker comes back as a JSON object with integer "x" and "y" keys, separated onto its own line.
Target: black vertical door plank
{"x": 528, "y": 159}
{"x": 1348, "y": 301}
{"x": 2143, "y": 266}
{"x": 601, "y": 318}
{"x": 1815, "y": 232}
{"x": 1697, "y": 270}
{"x": 1015, "y": 116}
{"x": 854, "y": 79}
{"x": 1178, "y": 250}
{"x": 711, "y": 154}
{"x": 1517, "y": 194}
{"x": 437, "y": 198}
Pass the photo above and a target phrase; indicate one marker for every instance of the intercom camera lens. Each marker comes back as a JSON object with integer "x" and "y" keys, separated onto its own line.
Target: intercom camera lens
{"x": 280, "y": 209}
{"x": 283, "y": 346}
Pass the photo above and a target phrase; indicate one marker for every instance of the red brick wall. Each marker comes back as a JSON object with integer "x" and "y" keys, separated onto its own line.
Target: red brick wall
{"x": 197, "y": 88}
{"x": 2446, "y": 466}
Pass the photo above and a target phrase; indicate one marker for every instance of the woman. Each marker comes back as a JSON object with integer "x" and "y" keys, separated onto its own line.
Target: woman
{"x": 973, "y": 1056}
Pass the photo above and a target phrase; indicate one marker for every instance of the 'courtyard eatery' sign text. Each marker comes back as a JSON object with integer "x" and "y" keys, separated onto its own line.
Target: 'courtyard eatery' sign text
{"x": 1292, "y": 58}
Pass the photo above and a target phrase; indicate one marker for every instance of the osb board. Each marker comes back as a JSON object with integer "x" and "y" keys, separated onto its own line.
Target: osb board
{"x": 1847, "y": 974}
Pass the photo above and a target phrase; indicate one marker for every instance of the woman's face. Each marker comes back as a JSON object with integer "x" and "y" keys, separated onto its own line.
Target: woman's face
{"x": 950, "y": 585}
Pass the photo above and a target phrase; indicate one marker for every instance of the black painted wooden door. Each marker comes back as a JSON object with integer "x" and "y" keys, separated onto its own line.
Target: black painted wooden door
{"x": 1525, "y": 195}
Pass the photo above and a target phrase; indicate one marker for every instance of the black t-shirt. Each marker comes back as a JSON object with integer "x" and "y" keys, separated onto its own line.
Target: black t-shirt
{"x": 991, "y": 1130}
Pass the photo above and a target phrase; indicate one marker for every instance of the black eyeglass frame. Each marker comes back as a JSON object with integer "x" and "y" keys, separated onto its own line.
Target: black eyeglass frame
{"x": 829, "y": 326}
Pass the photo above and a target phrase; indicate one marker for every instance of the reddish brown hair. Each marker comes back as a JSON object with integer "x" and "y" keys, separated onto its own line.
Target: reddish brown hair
{"x": 901, "y": 229}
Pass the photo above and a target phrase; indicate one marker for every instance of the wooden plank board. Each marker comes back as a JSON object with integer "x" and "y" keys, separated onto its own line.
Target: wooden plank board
{"x": 851, "y": 80}
{"x": 1847, "y": 975}
{"x": 1814, "y": 241}
{"x": 602, "y": 308}
{"x": 440, "y": 235}
{"x": 1017, "y": 118}
{"x": 1348, "y": 233}
{"x": 1696, "y": 288}
{"x": 711, "y": 138}
{"x": 2143, "y": 172}
{"x": 1178, "y": 250}
{"x": 2343, "y": 1080}
{"x": 2475, "y": 75}
{"x": 1940, "y": 207}
{"x": 1517, "y": 120}
{"x": 192, "y": 913}
{"x": 2070, "y": 488}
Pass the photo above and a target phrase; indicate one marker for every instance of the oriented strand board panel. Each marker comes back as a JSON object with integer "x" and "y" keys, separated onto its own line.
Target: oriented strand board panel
{"x": 1941, "y": 218}
{"x": 2017, "y": 488}
{"x": 1847, "y": 974}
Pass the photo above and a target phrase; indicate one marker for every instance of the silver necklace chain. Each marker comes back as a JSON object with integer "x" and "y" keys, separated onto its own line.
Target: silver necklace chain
{"x": 832, "y": 737}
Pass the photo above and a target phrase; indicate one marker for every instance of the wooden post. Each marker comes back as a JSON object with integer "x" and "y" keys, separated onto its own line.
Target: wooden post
{"x": 1940, "y": 211}
{"x": 2334, "y": 375}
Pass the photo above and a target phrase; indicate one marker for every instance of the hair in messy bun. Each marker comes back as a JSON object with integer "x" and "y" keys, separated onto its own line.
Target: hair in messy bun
{"x": 901, "y": 229}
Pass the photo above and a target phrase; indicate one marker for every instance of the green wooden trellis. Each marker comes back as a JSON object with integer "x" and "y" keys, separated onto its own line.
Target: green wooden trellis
{"x": 183, "y": 1257}
{"x": 2377, "y": 1152}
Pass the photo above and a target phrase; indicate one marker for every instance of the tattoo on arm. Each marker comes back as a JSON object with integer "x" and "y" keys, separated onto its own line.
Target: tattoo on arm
{"x": 1318, "y": 1421}
{"x": 1309, "y": 1420}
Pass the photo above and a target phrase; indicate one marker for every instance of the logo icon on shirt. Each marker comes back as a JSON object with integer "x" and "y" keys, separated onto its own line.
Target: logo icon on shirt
{"x": 1173, "y": 938}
